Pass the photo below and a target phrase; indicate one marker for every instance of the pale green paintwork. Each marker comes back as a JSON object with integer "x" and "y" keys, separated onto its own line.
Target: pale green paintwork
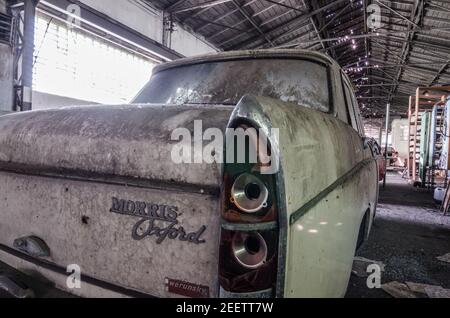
{"x": 321, "y": 245}
{"x": 317, "y": 149}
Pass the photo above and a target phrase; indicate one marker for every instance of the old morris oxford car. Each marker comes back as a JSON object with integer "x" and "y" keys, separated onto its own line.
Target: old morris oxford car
{"x": 95, "y": 192}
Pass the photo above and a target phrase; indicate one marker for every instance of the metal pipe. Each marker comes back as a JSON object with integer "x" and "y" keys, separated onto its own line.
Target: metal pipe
{"x": 398, "y": 14}
{"x": 382, "y": 97}
{"x": 28, "y": 51}
{"x": 252, "y": 22}
{"x": 380, "y": 137}
{"x": 200, "y": 6}
{"x": 388, "y": 110}
{"x": 346, "y": 39}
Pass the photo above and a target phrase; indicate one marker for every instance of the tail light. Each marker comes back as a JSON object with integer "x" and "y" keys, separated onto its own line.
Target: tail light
{"x": 248, "y": 259}
{"x": 249, "y": 193}
{"x": 249, "y": 249}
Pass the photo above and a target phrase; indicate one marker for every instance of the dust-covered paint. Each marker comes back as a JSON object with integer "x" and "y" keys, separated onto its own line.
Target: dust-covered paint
{"x": 61, "y": 170}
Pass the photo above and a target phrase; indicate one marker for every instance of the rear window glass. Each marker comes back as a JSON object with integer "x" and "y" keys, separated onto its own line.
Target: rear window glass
{"x": 299, "y": 81}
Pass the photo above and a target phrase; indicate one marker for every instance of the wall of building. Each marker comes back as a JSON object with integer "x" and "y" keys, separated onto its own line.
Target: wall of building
{"x": 400, "y": 137}
{"x": 6, "y": 71}
{"x": 149, "y": 22}
{"x": 144, "y": 19}
{"x": 372, "y": 128}
{"x": 47, "y": 101}
{"x": 6, "y": 77}
{"x": 132, "y": 13}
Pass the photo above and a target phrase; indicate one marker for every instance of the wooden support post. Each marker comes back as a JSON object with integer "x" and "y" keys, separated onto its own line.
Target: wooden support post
{"x": 416, "y": 111}
{"x": 409, "y": 163}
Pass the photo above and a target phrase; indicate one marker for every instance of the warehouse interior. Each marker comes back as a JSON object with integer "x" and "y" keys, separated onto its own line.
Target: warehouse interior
{"x": 65, "y": 54}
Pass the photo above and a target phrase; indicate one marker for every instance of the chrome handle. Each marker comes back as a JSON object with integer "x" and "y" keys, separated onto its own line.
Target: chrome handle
{"x": 33, "y": 246}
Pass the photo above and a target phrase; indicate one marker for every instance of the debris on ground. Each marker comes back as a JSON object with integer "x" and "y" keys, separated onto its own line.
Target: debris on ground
{"x": 398, "y": 290}
{"x": 437, "y": 292}
{"x": 444, "y": 258}
{"x": 360, "y": 265}
{"x": 411, "y": 289}
{"x": 418, "y": 288}
{"x": 406, "y": 265}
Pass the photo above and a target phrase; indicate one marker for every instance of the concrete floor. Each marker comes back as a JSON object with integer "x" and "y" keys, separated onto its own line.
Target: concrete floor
{"x": 409, "y": 233}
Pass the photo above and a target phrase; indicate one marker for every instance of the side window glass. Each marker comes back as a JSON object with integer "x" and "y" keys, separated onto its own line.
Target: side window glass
{"x": 358, "y": 117}
{"x": 349, "y": 104}
{"x": 357, "y": 113}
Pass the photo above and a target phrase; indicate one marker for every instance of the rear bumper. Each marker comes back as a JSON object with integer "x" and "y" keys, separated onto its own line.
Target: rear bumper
{"x": 38, "y": 286}
{"x": 47, "y": 280}
{"x": 50, "y": 280}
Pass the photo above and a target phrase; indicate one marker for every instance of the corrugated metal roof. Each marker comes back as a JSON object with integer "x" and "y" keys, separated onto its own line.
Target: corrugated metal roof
{"x": 410, "y": 48}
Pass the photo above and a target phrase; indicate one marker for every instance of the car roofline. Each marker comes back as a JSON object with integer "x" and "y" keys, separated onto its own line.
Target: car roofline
{"x": 247, "y": 54}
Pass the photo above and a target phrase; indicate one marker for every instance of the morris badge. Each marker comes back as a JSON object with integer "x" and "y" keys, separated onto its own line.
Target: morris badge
{"x": 156, "y": 220}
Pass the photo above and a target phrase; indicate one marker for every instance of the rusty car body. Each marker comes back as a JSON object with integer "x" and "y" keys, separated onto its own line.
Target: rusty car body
{"x": 95, "y": 188}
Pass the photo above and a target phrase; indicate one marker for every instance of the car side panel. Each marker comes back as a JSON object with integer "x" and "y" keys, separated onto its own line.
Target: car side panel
{"x": 316, "y": 150}
{"x": 323, "y": 242}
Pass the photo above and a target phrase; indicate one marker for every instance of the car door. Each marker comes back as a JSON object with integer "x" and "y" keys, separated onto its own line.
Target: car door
{"x": 368, "y": 177}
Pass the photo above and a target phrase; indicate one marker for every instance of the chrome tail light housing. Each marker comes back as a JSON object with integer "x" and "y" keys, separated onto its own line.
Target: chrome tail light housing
{"x": 249, "y": 240}
{"x": 249, "y": 249}
{"x": 249, "y": 193}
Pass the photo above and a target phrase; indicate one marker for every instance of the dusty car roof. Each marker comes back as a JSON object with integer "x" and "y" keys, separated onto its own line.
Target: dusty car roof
{"x": 225, "y": 56}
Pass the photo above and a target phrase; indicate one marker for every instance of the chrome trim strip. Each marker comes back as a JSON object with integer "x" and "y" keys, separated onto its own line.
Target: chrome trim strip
{"x": 283, "y": 228}
{"x": 268, "y": 293}
{"x": 93, "y": 177}
{"x": 340, "y": 181}
{"x": 250, "y": 109}
{"x": 247, "y": 54}
{"x": 249, "y": 227}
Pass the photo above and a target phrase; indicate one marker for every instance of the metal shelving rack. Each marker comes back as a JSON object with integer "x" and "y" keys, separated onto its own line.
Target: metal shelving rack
{"x": 423, "y": 101}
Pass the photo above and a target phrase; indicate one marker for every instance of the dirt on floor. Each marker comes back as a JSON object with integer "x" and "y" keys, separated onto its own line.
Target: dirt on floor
{"x": 408, "y": 235}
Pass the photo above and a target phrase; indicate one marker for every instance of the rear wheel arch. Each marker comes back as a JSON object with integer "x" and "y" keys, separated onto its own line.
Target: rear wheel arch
{"x": 363, "y": 229}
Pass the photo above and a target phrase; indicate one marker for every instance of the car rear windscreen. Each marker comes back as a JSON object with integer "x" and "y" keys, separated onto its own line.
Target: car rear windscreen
{"x": 225, "y": 82}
